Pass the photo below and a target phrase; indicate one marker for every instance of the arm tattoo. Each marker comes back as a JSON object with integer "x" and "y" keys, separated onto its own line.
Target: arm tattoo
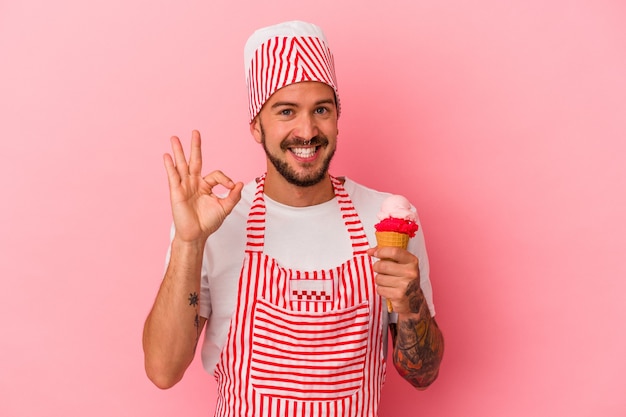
{"x": 417, "y": 341}
{"x": 193, "y": 301}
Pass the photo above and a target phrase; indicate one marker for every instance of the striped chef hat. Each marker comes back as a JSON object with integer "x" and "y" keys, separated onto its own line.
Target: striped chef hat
{"x": 283, "y": 54}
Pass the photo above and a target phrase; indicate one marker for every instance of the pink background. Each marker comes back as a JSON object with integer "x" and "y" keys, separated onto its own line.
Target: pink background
{"x": 503, "y": 121}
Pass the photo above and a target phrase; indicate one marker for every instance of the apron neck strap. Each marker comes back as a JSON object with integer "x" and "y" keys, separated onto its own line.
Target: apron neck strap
{"x": 255, "y": 229}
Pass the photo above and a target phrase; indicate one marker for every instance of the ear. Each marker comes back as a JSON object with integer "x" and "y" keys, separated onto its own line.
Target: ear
{"x": 255, "y": 129}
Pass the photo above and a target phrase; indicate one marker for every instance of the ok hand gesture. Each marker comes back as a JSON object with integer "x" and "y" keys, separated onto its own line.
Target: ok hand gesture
{"x": 197, "y": 212}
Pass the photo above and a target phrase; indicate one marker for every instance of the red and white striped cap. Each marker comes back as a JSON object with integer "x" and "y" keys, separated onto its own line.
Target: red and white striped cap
{"x": 283, "y": 54}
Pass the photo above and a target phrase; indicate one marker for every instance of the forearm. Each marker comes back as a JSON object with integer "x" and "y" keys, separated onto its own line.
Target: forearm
{"x": 173, "y": 326}
{"x": 418, "y": 344}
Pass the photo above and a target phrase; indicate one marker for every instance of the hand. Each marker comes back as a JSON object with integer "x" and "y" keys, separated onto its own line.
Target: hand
{"x": 398, "y": 278}
{"x": 197, "y": 212}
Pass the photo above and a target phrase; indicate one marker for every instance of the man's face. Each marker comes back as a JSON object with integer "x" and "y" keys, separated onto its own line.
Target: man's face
{"x": 297, "y": 127}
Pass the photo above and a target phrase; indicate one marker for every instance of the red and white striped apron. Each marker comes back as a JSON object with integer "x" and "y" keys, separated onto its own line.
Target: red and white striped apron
{"x": 303, "y": 343}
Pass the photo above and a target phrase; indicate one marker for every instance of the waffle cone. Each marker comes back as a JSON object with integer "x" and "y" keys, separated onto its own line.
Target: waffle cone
{"x": 393, "y": 239}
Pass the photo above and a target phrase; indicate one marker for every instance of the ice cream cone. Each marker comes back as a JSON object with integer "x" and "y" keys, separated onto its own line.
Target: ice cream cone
{"x": 397, "y": 225}
{"x": 394, "y": 240}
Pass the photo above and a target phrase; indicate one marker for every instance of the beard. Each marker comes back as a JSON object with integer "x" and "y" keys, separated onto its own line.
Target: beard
{"x": 307, "y": 179}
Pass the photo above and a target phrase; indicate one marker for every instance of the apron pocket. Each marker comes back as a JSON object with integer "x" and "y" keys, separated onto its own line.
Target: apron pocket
{"x": 308, "y": 356}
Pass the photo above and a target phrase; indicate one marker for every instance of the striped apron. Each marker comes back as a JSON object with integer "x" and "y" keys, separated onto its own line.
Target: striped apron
{"x": 303, "y": 343}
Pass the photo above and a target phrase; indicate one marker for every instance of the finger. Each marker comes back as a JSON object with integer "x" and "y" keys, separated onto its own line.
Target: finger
{"x": 385, "y": 290}
{"x": 392, "y": 287}
{"x": 173, "y": 178}
{"x": 395, "y": 254}
{"x": 179, "y": 156}
{"x": 219, "y": 178}
{"x": 195, "y": 158}
{"x": 234, "y": 195}
{"x": 387, "y": 268}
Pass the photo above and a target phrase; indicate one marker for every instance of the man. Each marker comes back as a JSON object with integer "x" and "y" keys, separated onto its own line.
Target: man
{"x": 281, "y": 271}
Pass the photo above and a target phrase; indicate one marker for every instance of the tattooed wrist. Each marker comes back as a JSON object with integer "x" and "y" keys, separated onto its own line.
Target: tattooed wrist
{"x": 415, "y": 296}
{"x": 418, "y": 343}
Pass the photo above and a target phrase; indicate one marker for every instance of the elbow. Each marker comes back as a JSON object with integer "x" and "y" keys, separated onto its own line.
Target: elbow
{"x": 161, "y": 377}
{"x": 162, "y": 380}
{"x": 163, "y": 383}
{"x": 161, "y": 366}
{"x": 419, "y": 370}
{"x": 422, "y": 383}
{"x": 419, "y": 379}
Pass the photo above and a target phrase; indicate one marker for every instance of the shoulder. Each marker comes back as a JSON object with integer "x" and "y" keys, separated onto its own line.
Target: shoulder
{"x": 356, "y": 189}
{"x": 365, "y": 199}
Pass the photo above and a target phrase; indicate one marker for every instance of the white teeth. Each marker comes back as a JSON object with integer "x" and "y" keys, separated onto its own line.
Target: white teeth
{"x": 304, "y": 152}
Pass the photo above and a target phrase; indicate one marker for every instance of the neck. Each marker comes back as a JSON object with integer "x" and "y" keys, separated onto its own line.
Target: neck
{"x": 279, "y": 190}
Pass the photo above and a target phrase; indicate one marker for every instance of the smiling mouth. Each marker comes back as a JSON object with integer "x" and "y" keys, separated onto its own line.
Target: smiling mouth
{"x": 305, "y": 153}
{"x": 305, "y": 150}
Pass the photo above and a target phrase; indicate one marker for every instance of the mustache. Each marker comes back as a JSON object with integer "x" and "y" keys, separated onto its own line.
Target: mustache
{"x": 318, "y": 140}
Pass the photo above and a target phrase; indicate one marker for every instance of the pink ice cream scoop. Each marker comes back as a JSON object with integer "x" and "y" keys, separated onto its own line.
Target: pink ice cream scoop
{"x": 397, "y": 215}
{"x": 396, "y": 206}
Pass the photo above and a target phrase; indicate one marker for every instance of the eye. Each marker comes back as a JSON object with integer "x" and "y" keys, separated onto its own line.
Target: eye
{"x": 321, "y": 110}
{"x": 286, "y": 112}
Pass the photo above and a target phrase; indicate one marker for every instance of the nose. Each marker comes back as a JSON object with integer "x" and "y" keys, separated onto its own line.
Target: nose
{"x": 307, "y": 127}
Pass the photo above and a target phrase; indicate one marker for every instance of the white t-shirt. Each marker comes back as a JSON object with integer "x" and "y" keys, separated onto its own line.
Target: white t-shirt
{"x": 303, "y": 238}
